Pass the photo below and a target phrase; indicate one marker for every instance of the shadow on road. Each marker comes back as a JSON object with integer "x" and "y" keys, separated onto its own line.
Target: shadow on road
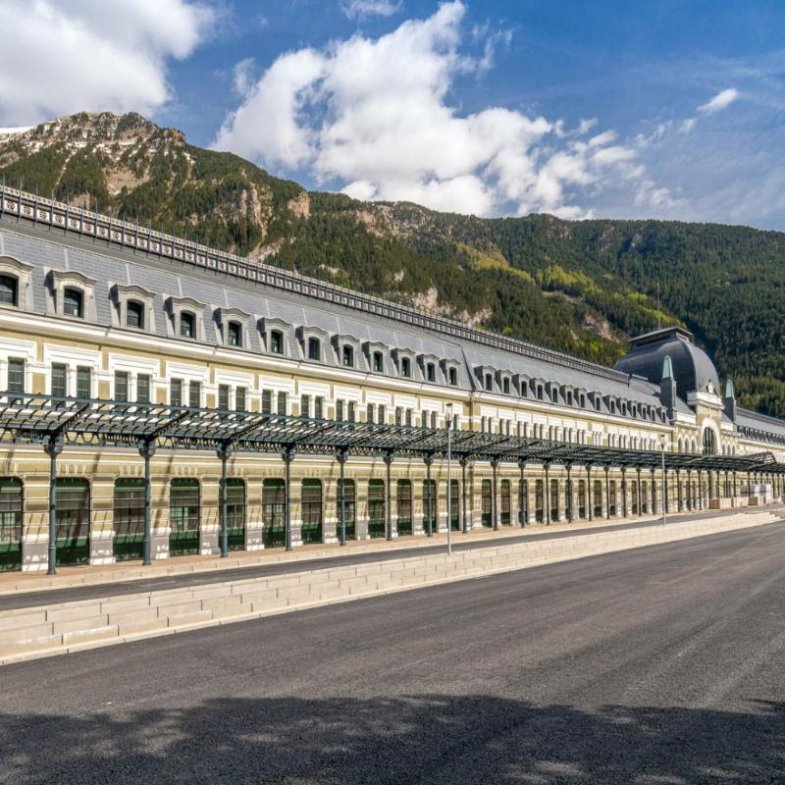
{"x": 434, "y": 739}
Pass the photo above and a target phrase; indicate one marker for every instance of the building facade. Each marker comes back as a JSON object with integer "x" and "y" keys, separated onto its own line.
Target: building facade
{"x": 95, "y": 310}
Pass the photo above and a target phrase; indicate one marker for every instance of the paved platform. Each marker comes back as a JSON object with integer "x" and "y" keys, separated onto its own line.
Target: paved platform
{"x": 50, "y": 628}
{"x": 19, "y": 590}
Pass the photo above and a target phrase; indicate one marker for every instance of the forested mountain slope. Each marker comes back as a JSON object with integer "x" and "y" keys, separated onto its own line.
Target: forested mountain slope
{"x": 582, "y": 287}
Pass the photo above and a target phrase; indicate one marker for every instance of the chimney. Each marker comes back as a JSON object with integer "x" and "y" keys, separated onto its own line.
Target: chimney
{"x": 668, "y": 386}
{"x": 729, "y": 401}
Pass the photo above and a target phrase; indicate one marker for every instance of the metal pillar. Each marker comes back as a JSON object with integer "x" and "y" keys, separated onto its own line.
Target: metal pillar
{"x": 388, "y": 459}
{"x": 53, "y": 448}
{"x": 428, "y": 461}
{"x": 288, "y": 457}
{"x": 589, "y": 494}
{"x": 147, "y": 451}
{"x": 607, "y": 492}
{"x": 653, "y": 491}
{"x": 494, "y": 495}
{"x": 341, "y": 456}
{"x": 623, "y": 491}
{"x": 570, "y": 511}
{"x": 224, "y": 452}
{"x": 639, "y": 492}
{"x": 546, "y": 498}
{"x": 464, "y": 495}
{"x": 679, "y": 500}
{"x": 523, "y": 501}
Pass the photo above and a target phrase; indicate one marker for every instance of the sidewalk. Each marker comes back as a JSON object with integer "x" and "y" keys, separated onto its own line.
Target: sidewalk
{"x": 51, "y": 627}
{"x": 15, "y": 583}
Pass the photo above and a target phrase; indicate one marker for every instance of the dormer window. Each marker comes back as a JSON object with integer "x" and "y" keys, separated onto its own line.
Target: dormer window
{"x": 430, "y": 372}
{"x": 506, "y": 386}
{"x": 314, "y": 349}
{"x": 73, "y": 302}
{"x": 488, "y": 381}
{"x": 406, "y": 367}
{"x": 540, "y": 392}
{"x": 378, "y": 362}
{"x": 554, "y": 395}
{"x": 134, "y": 315}
{"x": 276, "y": 342}
{"x": 187, "y": 324}
{"x": 347, "y": 356}
{"x": 234, "y": 334}
{"x": 9, "y": 290}
{"x": 452, "y": 377}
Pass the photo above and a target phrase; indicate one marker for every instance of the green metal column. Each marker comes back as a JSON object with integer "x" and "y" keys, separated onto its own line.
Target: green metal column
{"x": 570, "y": 510}
{"x": 388, "y": 459}
{"x": 341, "y": 456}
{"x": 428, "y": 461}
{"x": 495, "y": 494}
{"x": 523, "y": 502}
{"x": 147, "y": 450}
{"x": 464, "y": 495}
{"x": 607, "y": 492}
{"x": 53, "y": 448}
{"x": 288, "y": 457}
{"x": 589, "y": 494}
{"x": 224, "y": 452}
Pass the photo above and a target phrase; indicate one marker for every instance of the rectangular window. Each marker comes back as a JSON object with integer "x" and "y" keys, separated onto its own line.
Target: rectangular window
{"x": 223, "y": 397}
{"x": 369, "y": 413}
{"x": 143, "y": 388}
{"x": 409, "y": 414}
{"x": 347, "y": 357}
{"x": 240, "y": 398}
{"x": 267, "y": 402}
{"x": 281, "y": 403}
{"x": 176, "y": 392}
{"x": 339, "y": 410}
{"x": 16, "y": 375}
{"x": 194, "y": 394}
{"x": 318, "y": 407}
{"x": 121, "y": 386}
{"x": 453, "y": 377}
{"x": 305, "y": 405}
{"x": 352, "y": 414}
{"x": 84, "y": 383}
{"x": 381, "y": 419}
{"x": 378, "y": 362}
{"x": 398, "y": 415}
{"x": 276, "y": 342}
{"x": 59, "y": 380}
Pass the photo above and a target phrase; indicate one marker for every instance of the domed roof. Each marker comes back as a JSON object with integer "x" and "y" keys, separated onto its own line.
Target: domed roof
{"x": 693, "y": 370}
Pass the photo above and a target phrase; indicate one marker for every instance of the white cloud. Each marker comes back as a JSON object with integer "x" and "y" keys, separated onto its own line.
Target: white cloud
{"x": 361, "y": 9}
{"x": 719, "y": 102}
{"x": 73, "y": 55}
{"x": 376, "y": 116}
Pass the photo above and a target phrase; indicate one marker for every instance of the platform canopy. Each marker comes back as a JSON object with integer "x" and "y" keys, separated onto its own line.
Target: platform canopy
{"x": 34, "y": 419}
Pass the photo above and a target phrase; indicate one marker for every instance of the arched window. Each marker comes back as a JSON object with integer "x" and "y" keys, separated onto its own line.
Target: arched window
{"x": 709, "y": 442}
{"x": 73, "y": 302}
{"x": 9, "y": 290}
{"x": 135, "y": 314}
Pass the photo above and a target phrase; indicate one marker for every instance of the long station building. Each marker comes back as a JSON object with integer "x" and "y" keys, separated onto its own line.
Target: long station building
{"x": 159, "y": 398}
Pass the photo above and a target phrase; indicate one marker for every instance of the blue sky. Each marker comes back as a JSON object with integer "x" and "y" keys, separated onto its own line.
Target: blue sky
{"x": 643, "y": 109}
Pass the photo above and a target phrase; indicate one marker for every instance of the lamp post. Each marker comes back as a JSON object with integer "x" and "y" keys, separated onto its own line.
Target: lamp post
{"x": 663, "y": 442}
{"x": 449, "y": 488}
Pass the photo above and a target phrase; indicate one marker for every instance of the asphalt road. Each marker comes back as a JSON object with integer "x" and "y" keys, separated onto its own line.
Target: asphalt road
{"x": 514, "y": 534}
{"x": 659, "y": 666}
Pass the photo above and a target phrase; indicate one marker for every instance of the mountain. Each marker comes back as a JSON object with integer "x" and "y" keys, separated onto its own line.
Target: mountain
{"x": 581, "y": 287}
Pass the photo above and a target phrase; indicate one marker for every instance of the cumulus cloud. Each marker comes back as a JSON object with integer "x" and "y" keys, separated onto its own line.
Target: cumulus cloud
{"x": 71, "y": 55}
{"x": 376, "y": 116}
{"x": 360, "y": 9}
{"x": 719, "y": 102}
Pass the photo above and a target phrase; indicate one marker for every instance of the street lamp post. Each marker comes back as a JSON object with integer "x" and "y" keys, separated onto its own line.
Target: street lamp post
{"x": 663, "y": 441}
{"x": 449, "y": 488}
